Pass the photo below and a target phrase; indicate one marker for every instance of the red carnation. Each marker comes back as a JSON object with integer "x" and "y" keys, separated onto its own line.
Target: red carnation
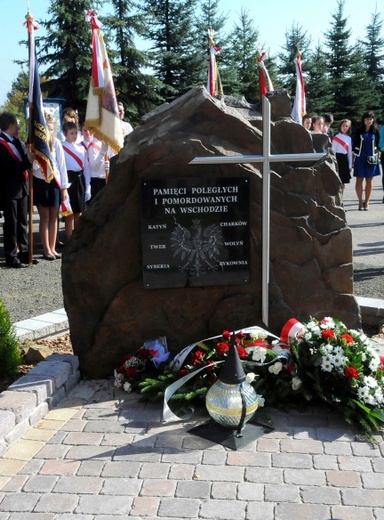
{"x": 145, "y": 353}
{"x": 351, "y": 373}
{"x": 210, "y": 365}
{"x": 222, "y": 348}
{"x": 348, "y": 338}
{"x": 227, "y": 335}
{"x": 196, "y": 357}
{"x": 183, "y": 372}
{"x": 242, "y": 352}
{"x": 328, "y": 334}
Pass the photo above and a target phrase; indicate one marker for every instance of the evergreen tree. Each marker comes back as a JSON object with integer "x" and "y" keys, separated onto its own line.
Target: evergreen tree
{"x": 66, "y": 50}
{"x": 345, "y": 65}
{"x": 373, "y": 56}
{"x": 243, "y": 58}
{"x": 138, "y": 91}
{"x": 209, "y": 18}
{"x": 169, "y": 25}
{"x": 296, "y": 40}
{"x": 318, "y": 91}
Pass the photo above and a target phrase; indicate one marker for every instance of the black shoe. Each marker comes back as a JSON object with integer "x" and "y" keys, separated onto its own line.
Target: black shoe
{"x": 24, "y": 259}
{"x": 49, "y": 257}
{"x": 15, "y": 263}
{"x": 60, "y": 245}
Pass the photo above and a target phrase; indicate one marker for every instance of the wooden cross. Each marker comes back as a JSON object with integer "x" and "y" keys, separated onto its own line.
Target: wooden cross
{"x": 266, "y": 159}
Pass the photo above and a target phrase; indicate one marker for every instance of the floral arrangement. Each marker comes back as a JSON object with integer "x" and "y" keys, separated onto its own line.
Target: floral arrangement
{"x": 321, "y": 359}
{"x": 147, "y": 360}
{"x": 340, "y": 367}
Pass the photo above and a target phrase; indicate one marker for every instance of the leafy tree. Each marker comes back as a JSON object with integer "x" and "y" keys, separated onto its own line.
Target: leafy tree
{"x": 10, "y": 355}
{"x": 169, "y": 25}
{"x": 15, "y": 101}
{"x": 67, "y": 51}
{"x": 346, "y": 72}
{"x": 296, "y": 40}
{"x": 139, "y": 91}
{"x": 243, "y": 58}
{"x": 373, "y": 56}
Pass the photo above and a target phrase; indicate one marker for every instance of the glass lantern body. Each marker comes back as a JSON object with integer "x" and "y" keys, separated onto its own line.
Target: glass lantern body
{"x": 225, "y": 405}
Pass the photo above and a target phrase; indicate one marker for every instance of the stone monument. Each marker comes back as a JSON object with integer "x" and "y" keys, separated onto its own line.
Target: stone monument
{"x": 173, "y": 249}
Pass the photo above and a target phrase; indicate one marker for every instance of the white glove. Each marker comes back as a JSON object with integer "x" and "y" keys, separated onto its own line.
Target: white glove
{"x": 87, "y": 193}
{"x": 106, "y": 166}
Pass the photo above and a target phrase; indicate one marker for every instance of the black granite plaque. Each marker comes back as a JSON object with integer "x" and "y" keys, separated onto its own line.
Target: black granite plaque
{"x": 195, "y": 231}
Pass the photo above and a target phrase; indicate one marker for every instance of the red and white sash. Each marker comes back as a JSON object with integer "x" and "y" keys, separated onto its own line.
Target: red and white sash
{"x": 343, "y": 143}
{"x": 76, "y": 157}
{"x": 14, "y": 153}
{"x": 92, "y": 143}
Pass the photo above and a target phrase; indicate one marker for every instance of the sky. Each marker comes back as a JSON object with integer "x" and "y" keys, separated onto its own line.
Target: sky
{"x": 272, "y": 18}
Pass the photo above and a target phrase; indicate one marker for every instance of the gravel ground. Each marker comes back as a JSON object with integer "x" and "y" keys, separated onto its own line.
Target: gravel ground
{"x": 35, "y": 290}
{"x": 31, "y": 291}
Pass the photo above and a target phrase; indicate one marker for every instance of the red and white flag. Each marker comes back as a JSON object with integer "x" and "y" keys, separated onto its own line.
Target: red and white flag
{"x": 102, "y": 111}
{"x": 299, "y": 106}
{"x": 214, "y": 85}
{"x": 265, "y": 83}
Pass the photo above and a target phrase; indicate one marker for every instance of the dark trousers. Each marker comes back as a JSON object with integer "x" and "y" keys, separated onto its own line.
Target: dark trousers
{"x": 15, "y": 228}
{"x": 97, "y": 184}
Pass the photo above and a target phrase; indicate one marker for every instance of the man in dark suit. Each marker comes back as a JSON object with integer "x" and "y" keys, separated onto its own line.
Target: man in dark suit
{"x": 14, "y": 165}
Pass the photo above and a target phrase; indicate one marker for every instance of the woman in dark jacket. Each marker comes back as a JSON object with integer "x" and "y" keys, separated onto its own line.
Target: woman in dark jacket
{"x": 365, "y": 142}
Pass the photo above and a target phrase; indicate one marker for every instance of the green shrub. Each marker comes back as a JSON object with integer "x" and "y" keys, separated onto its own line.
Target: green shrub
{"x": 10, "y": 355}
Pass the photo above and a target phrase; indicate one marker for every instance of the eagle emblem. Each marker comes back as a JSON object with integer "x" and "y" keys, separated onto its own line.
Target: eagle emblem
{"x": 197, "y": 247}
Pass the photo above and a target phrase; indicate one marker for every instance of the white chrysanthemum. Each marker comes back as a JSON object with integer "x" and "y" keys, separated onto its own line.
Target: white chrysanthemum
{"x": 259, "y": 354}
{"x": 250, "y": 377}
{"x": 326, "y": 349}
{"x": 338, "y": 351}
{"x": 379, "y": 395}
{"x": 374, "y": 364}
{"x": 296, "y": 383}
{"x": 275, "y": 368}
{"x": 363, "y": 393}
{"x": 339, "y": 361}
{"x": 307, "y": 336}
{"x": 370, "y": 382}
{"x": 328, "y": 323}
{"x": 326, "y": 364}
{"x": 127, "y": 386}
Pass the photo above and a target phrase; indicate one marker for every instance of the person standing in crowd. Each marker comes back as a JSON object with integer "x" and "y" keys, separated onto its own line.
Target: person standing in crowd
{"x": 69, "y": 114}
{"x": 307, "y": 121}
{"x": 95, "y": 152}
{"x": 78, "y": 175}
{"x": 47, "y": 196}
{"x": 15, "y": 162}
{"x": 342, "y": 146}
{"x": 317, "y": 124}
{"x": 328, "y": 121}
{"x": 127, "y": 128}
{"x": 365, "y": 143}
{"x": 381, "y": 146}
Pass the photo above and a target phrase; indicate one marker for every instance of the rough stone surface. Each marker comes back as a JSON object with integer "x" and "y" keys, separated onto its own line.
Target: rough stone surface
{"x": 311, "y": 274}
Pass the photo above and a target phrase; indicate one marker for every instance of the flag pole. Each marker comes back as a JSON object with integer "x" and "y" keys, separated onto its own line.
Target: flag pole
{"x": 30, "y": 144}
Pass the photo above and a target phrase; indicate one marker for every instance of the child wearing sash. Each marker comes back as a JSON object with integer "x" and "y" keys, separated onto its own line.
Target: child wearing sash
{"x": 342, "y": 146}
{"x": 78, "y": 175}
{"x": 47, "y": 196}
{"x": 96, "y": 153}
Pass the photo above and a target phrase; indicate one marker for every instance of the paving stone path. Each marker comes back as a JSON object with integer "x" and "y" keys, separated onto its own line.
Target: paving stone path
{"x": 103, "y": 454}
